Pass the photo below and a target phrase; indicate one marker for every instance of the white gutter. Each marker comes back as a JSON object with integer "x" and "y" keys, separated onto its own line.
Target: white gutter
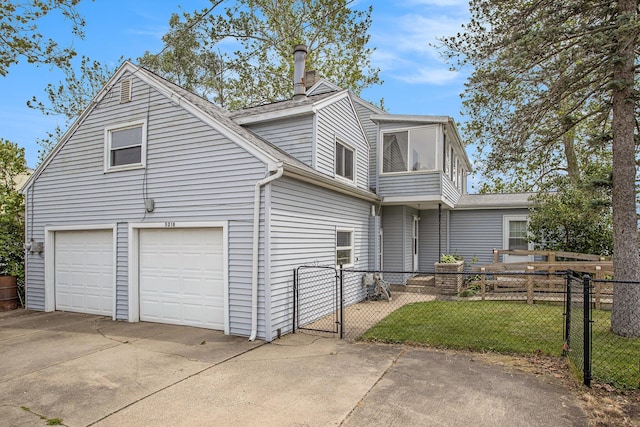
{"x": 256, "y": 247}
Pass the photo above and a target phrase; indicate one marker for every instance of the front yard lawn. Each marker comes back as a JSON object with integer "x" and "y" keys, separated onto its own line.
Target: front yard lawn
{"x": 509, "y": 327}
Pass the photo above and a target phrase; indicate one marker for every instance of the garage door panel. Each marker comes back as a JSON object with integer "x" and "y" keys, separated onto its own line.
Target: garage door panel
{"x": 84, "y": 271}
{"x": 181, "y": 276}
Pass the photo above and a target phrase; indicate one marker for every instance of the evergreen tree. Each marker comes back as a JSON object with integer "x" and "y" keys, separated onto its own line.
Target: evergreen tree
{"x": 549, "y": 76}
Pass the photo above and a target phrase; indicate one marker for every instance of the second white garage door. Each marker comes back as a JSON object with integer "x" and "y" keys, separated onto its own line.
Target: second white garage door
{"x": 182, "y": 276}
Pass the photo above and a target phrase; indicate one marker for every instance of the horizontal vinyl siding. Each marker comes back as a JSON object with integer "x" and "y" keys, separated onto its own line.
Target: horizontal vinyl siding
{"x": 449, "y": 191}
{"x": 475, "y": 233}
{"x": 304, "y": 219}
{"x": 193, "y": 174}
{"x": 431, "y": 243}
{"x": 292, "y": 135}
{"x": 410, "y": 184}
{"x": 371, "y": 131}
{"x": 338, "y": 120}
{"x": 393, "y": 236}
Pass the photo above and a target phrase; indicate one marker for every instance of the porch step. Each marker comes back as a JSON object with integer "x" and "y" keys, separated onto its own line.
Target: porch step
{"x": 417, "y": 285}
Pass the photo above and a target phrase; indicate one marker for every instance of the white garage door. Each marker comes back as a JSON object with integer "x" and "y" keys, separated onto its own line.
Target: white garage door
{"x": 84, "y": 271}
{"x": 182, "y": 276}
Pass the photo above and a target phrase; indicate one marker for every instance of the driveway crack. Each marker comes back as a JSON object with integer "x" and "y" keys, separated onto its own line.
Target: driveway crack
{"x": 391, "y": 365}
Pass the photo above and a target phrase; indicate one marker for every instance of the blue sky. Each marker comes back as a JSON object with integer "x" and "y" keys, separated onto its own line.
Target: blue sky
{"x": 416, "y": 81}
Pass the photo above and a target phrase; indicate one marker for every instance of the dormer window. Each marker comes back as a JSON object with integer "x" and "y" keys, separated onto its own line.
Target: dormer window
{"x": 410, "y": 150}
{"x": 344, "y": 161}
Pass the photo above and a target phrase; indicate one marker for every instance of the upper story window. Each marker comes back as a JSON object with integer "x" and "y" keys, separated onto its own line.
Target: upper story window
{"x": 410, "y": 150}
{"x": 344, "y": 161}
{"x": 125, "y": 146}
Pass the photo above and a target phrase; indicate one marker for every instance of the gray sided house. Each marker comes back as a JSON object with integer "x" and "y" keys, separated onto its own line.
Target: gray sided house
{"x": 158, "y": 206}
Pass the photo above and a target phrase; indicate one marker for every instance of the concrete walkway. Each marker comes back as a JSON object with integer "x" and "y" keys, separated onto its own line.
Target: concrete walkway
{"x": 89, "y": 370}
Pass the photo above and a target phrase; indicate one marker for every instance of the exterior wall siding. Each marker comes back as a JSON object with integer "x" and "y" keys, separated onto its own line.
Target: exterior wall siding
{"x": 449, "y": 191}
{"x": 393, "y": 236}
{"x": 431, "y": 240}
{"x": 371, "y": 131}
{"x": 338, "y": 120}
{"x": 188, "y": 174}
{"x": 475, "y": 233}
{"x": 304, "y": 219}
{"x": 292, "y": 135}
{"x": 410, "y": 184}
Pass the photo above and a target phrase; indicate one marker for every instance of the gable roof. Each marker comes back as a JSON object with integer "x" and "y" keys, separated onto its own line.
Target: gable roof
{"x": 220, "y": 120}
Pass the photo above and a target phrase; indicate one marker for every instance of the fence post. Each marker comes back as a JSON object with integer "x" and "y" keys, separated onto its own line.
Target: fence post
{"x": 495, "y": 256}
{"x": 567, "y": 314}
{"x": 295, "y": 299}
{"x": 598, "y": 286}
{"x": 586, "y": 296}
{"x": 341, "y": 302}
{"x": 529, "y": 284}
{"x": 483, "y": 282}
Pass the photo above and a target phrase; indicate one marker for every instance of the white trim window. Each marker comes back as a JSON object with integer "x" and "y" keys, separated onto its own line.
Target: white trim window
{"x": 515, "y": 237}
{"x": 344, "y": 247}
{"x": 411, "y": 150}
{"x": 517, "y": 234}
{"x": 125, "y": 146}
{"x": 345, "y": 161}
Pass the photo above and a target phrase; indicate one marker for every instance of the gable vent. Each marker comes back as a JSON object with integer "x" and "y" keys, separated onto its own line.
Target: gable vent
{"x": 125, "y": 91}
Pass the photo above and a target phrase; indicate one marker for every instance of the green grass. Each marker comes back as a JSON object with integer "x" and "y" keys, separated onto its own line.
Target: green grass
{"x": 616, "y": 359}
{"x": 509, "y": 327}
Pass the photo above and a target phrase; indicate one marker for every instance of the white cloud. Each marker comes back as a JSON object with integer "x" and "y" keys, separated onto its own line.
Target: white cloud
{"x": 405, "y": 42}
{"x": 463, "y": 4}
{"x": 428, "y": 75}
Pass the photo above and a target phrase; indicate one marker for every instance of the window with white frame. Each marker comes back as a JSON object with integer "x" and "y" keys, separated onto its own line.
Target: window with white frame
{"x": 125, "y": 145}
{"x": 344, "y": 161}
{"x": 344, "y": 247}
{"x": 410, "y": 150}
{"x": 517, "y": 234}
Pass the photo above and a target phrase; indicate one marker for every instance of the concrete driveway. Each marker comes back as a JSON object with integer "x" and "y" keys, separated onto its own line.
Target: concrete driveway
{"x": 85, "y": 370}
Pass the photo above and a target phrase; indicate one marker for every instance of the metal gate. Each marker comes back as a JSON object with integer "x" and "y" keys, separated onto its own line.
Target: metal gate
{"x": 317, "y": 299}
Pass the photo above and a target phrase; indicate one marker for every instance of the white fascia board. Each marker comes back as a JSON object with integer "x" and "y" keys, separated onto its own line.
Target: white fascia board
{"x": 322, "y": 82}
{"x": 273, "y": 115}
{"x": 368, "y": 105}
{"x": 357, "y": 117}
{"x": 400, "y": 200}
{"x": 409, "y": 118}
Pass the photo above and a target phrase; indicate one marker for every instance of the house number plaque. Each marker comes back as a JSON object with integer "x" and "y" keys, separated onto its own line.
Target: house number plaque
{"x": 170, "y": 224}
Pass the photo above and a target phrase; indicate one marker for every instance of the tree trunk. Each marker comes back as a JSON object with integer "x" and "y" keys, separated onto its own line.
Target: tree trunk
{"x": 573, "y": 170}
{"x": 625, "y": 318}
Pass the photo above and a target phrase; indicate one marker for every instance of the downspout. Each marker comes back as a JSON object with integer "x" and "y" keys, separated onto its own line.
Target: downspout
{"x": 439, "y": 230}
{"x": 256, "y": 248}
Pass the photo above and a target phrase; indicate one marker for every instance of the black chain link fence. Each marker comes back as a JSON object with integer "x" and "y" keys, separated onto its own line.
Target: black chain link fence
{"x": 577, "y": 330}
{"x": 508, "y": 311}
{"x": 615, "y": 360}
